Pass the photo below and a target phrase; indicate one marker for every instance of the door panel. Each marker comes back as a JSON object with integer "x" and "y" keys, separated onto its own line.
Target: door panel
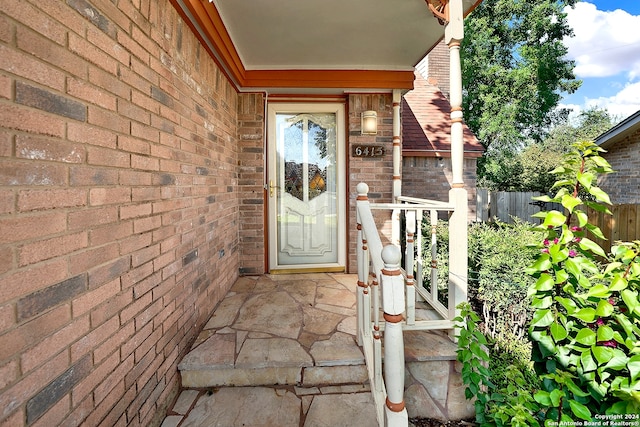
{"x": 306, "y": 176}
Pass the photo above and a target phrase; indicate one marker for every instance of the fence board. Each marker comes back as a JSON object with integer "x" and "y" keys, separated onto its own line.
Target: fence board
{"x": 623, "y": 225}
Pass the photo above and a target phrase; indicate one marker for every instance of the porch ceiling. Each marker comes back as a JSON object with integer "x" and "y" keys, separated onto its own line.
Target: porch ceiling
{"x": 322, "y": 45}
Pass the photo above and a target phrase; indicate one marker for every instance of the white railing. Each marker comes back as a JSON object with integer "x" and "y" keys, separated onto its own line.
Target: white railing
{"x": 383, "y": 286}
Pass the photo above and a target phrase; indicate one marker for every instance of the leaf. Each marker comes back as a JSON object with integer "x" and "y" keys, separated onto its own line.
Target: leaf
{"x": 630, "y": 298}
{"x": 591, "y": 246}
{"x": 600, "y": 195}
{"x": 604, "y": 309}
{"x": 587, "y": 314}
{"x": 561, "y": 276}
{"x": 618, "y": 283}
{"x": 542, "y": 318}
{"x": 542, "y": 397}
{"x": 587, "y": 362}
{"x": 544, "y": 283}
{"x": 554, "y": 219}
{"x": 570, "y": 202}
{"x": 604, "y": 333}
{"x": 540, "y": 303}
{"x": 558, "y": 332}
{"x": 572, "y": 267}
{"x": 585, "y": 179}
{"x": 542, "y": 263}
{"x": 568, "y": 304}
{"x": 586, "y": 337}
{"x": 600, "y": 291}
{"x": 555, "y": 396}
{"x": 602, "y": 354}
{"x": 582, "y": 218}
{"x": 618, "y": 360}
{"x": 634, "y": 367}
{"x": 579, "y": 410}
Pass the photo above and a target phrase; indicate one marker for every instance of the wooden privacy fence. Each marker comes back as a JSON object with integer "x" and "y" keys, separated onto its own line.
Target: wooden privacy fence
{"x": 623, "y": 225}
{"x": 505, "y": 206}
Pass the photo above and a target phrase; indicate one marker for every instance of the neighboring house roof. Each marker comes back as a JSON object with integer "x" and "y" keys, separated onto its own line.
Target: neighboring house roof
{"x": 426, "y": 124}
{"x": 626, "y": 127}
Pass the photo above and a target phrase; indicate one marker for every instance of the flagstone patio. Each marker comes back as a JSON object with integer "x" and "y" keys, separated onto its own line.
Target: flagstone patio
{"x": 280, "y": 350}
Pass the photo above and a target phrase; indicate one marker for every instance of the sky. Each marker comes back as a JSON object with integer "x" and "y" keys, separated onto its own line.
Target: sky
{"x": 606, "y": 48}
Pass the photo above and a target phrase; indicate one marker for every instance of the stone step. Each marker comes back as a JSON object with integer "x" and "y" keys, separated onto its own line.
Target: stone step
{"x": 273, "y": 360}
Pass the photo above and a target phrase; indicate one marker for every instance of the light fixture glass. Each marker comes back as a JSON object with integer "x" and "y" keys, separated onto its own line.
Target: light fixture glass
{"x": 369, "y": 123}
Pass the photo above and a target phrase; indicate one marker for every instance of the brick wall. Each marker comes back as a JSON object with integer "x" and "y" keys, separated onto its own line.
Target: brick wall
{"x": 431, "y": 178}
{"x": 250, "y": 182}
{"x": 119, "y": 207}
{"x": 377, "y": 173}
{"x": 623, "y": 186}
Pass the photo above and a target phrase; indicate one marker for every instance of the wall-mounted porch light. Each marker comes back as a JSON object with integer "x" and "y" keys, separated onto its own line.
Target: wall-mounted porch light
{"x": 369, "y": 123}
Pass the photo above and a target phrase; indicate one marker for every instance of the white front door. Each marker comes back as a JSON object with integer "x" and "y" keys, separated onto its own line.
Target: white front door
{"x": 306, "y": 178}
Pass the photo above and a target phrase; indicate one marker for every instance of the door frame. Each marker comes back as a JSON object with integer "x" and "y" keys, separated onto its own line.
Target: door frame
{"x": 271, "y": 229}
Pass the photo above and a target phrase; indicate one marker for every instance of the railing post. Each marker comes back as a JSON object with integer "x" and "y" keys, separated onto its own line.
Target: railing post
{"x": 393, "y": 305}
{"x": 363, "y": 304}
{"x": 433, "y": 220}
{"x": 409, "y": 259}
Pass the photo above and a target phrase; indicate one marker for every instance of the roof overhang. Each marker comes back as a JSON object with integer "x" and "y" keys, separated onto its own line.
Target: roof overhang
{"x": 626, "y": 127}
{"x": 316, "y": 46}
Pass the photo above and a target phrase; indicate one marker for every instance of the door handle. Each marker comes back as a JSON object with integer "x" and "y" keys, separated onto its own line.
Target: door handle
{"x": 271, "y": 187}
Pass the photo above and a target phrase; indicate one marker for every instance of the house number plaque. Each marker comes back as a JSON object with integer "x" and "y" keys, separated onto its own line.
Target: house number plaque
{"x": 368, "y": 151}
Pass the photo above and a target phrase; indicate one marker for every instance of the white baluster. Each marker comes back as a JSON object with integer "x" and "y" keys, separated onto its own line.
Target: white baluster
{"x": 393, "y": 304}
{"x": 409, "y": 260}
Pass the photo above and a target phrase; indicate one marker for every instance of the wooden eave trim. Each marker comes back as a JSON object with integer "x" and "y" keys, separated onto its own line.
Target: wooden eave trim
{"x": 348, "y": 79}
{"x": 225, "y": 54}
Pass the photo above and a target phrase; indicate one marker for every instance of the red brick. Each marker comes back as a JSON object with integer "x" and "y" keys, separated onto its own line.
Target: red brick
{"x": 9, "y": 373}
{"x": 89, "y": 300}
{"x": 133, "y": 47}
{"x": 29, "y": 120}
{"x": 88, "y": 51}
{"x": 141, "y": 194}
{"x": 136, "y": 275}
{"x": 53, "y": 344}
{"x": 26, "y": 14}
{"x": 144, "y": 101}
{"x": 107, "y": 119}
{"x": 115, "y": 341}
{"x": 92, "y": 176}
{"x": 111, "y": 307}
{"x": 145, "y": 224}
{"x": 81, "y": 132}
{"x": 88, "y": 219}
{"x": 52, "y": 53}
{"x": 6, "y": 87}
{"x": 109, "y": 271}
{"x": 7, "y": 262}
{"x": 133, "y": 309}
{"x": 37, "y": 148}
{"x": 145, "y": 163}
{"x": 29, "y": 173}
{"x": 133, "y": 145}
{"x": 94, "y": 338}
{"x": 110, "y": 233}
{"x": 80, "y": 411}
{"x": 87, "y": 260}
{"x": 109, "y": 196}
{"x": 51, "y": 248}
{"x": 56, "y": 414}
{"x": 24, "y": 282}
{"x": 98, "y": 374}
{"x": 135, "y": 211}
{"x": 7, "y": 201}
{"x": 135, "y": 178}
{"x": 33, "y": 331}
{"x": 133, "y": 112}
{"x": 31, "y": 200}
{"x": 115, "y": 378}
{"x": 87, "y": 92}
{"x": 111, "y": 84}
{"x": 29, "y": 227}
{"x": 105, "y": 157}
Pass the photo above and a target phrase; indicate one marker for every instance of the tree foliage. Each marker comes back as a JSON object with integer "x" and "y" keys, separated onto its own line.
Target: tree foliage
{"x": 529, "y": 169}
{"x": 514, "y": 69}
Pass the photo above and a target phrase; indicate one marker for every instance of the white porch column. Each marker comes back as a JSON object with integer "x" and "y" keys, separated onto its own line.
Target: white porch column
{"x": 397, "y": 146}
{"x": 453, "y": 35}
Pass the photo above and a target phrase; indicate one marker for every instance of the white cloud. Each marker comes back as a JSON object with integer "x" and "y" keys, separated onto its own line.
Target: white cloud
{"x": 605, "y": 43}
